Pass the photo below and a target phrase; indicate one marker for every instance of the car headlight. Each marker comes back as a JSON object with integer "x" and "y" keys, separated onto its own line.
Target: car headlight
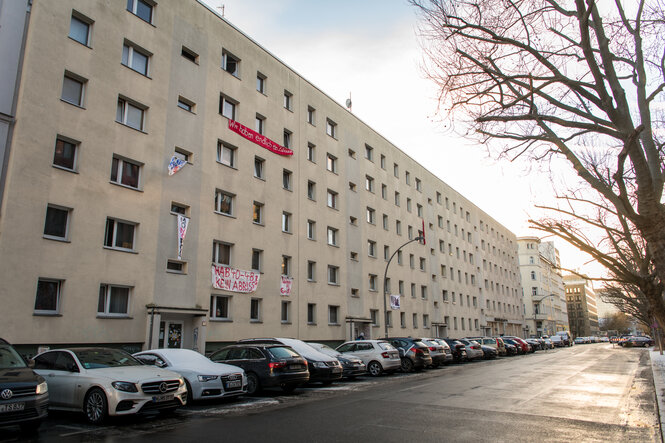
{"x": 124, "y": 386}
{"x": 319, "y": 364}
{"x": 42, "y": 388}
{"x": 205, "y": 378}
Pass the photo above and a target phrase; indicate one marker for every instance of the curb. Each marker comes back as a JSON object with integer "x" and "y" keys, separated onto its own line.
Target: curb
{"x": 658, "y": 370}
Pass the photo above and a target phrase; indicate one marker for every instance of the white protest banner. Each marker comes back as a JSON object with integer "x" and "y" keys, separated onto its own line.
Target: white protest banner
{"x": 234, "y": 280}
{"x": 183, "y": 222}
{"x": 176, "y": 164}
{"x": 285, "y": 286}
{"x": 394, "y": 301}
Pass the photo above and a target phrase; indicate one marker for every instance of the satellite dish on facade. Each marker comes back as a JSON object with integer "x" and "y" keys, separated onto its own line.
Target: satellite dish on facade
{"x": 348, "y": 102}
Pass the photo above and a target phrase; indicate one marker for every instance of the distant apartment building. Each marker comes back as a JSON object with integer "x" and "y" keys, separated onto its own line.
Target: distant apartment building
{"x": 545, "y": 311}
{"x": 582, "y": 308}
{"x": 167, "y": 182}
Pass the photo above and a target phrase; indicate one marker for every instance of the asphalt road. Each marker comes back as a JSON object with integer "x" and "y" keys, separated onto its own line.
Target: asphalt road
{"x": 584, "y": 393}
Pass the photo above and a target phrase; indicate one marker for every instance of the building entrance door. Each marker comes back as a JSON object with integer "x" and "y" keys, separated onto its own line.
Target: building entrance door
{"x": 170, "y": 334}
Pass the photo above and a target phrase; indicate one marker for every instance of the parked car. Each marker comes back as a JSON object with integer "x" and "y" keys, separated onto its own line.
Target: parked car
{"x": 23, "y": 393}
{"x": 203, "y": 377}
{"x": 579, "y": 340}
{"x": 519, "y": 349}
{"x": 473, "y": 349}
{"x": 548, "y": 342}
{"x": 535, "y": 344}
{"x": 322, "y": 368}
{"x": 526, "y": 347}
{"x": 352, "y": 366}
{"x": 493, "y": 342}
{"x": 436, "y": 351}
{"x": 457, "y": 349}
{"x": 511, "y": 349}
{"x": 566, "y": 337}
{"x": 638, "y": 341}
{"x": 104, "y": 381}
{"x": 489, "y": 352}
{"x": 379, "y": 356}
{"x": 266, "y": 365}
{"x": 413, "y": 353}
{"x": 557, "y": 341}
{"x": 448, "y": 358}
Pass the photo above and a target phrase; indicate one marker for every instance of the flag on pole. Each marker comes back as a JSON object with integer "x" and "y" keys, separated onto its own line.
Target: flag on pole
{"x": 394, "y": 302}
{"x": 176, "y": 164}
{"x": 183, "y": 222}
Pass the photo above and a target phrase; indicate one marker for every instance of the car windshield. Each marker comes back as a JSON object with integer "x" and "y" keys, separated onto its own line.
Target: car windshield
{"x": 325, "y": 349}
{"x": 386, "y": 346}
{"x": 9, "y": 358}
{"x": 282, "y": 352}
{"x": 105, "y": 358}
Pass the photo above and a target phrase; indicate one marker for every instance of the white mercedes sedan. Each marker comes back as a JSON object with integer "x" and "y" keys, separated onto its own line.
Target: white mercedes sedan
{"x": 204, "y": 378}
{"x": 104, "y": 381}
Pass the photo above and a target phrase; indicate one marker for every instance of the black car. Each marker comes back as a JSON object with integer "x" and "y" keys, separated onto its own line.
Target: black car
{"x": 510, "y": 349}
{"x": 266, "y": 365}
{"x": 413, "y": 353}
{"x": 488, "y": 352}
{"x": 23, "y": 393}
{"x": 458, "y": 350}
{"x": 352, "y": 366}
{"x": 518, "y": 346}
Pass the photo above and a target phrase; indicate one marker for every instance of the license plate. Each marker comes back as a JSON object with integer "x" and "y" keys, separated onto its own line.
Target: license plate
{"x": 336, "y": 370}
{"x": 161, "y": 398}
{"x": 12, "y": 407}
{"x": 234, "y": 384}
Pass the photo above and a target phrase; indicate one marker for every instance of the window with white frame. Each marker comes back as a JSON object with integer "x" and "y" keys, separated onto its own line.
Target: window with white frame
{"x": 257, "y": 213}
{"x": 332, "y": 236}
{"x": 126, "y": 172}
{"x": 369, "y": 153}
{"x": 286, "y": 311}
{"x": 288, "y": 136}
{"x": 65, "y": 153}
{"x": 261, "y": 83}
{"x": 143, "y": 9}
{"x": 371, "y": 216}
{"x": 286, "y": 265}
{"x": 384, "y": 191}
{"x": 396, "y": 198}
{"x": 56, "y": 225}
{"x": 383, "y": 162}
{"x": 386, "y": 252}
{"x": 369, "y": 183}
{"x": 230, "y": 63}
{"x": 227, "y": 107}
{"x": 385, "y": 222}
{"x": 311, "y": 115}
{"x": 119, "y": 234}
{"x": 135, "y": 58}
{"x": 311, "y": 270}
{"x": 113, "y": 300}
{"x": 221, "y": 253}
{"x": 130, "y": 114}
{"x": 259, "y": 123}
{"x": 47, "y": 299}
{"x": 331, "y": 128}
{"x": 311, "y": 190}
{"x": 73, "y": 89}
{"x": 311, "y": 152}
{"x": 220, "y": 307}
{"x": 80, "y": 28}
{"x": 372, "y": 282}
{"x": 224, "y": 202}
{"x": 288, "y": 100}
{"x": 418, "y": 185}
{"x": 333, "y": 315}
{"x": 189, "y": 55}
{"x": 259, "y": 164}
{"x": 371, "y": 248}
{"x": 333, "y": 275}
{"x": 286, "y": 179}
{"x": 332, "y": 198}
{"x": 331, "y": 163}
{"x": 311, "y": 230}
{"x": 226, "y": 154}
{"x": 398, "y": 227}
{"x": 286, "y": 222}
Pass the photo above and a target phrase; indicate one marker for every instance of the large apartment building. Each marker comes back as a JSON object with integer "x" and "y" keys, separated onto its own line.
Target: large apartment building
{"x": 167, "y": 182}
{"x": 582, "y": 308}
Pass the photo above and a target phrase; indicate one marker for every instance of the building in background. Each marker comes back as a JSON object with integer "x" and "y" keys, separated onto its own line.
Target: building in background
{"x": 545, "y": 311}
{"x": 582, "y": 307}
{"x": 167, "y": 182}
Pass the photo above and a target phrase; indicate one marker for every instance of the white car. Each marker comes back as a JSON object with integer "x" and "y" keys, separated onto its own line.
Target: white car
{"x": 204, "y": 378}
{"x": 378, "y": 355}
{"x": 104, "y": 381}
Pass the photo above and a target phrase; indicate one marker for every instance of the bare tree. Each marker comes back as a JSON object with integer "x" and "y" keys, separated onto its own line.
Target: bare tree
{"x": 617, "y": 321}
{"x": 567, "y": 79}
{"x": 629, "y": 301}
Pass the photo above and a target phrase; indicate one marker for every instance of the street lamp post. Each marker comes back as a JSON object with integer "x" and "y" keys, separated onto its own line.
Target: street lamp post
{"x": 535, "y": 318}
{"x": 385, "y": 278}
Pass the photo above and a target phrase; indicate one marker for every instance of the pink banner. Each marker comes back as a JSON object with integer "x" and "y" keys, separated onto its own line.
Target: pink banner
{"x": 234, "y": 280}
{"x": 259, "y": 139}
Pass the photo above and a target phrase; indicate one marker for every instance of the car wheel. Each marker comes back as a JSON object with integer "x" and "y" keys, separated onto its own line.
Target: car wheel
{"x": 253, "y": 385}
{"x": 407, "y": 365}
{"x": 289, "y": 388}
{"x": 95, "y": 406}
{"x": 374, "y": 368}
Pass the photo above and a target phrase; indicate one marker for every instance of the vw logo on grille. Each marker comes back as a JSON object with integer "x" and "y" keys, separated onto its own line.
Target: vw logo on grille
{"x": 6, "y": 394}
{"x": 163, "y": 387}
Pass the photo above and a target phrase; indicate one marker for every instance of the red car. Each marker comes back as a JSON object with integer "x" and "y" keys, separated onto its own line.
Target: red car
{"x": 526, "y": 347}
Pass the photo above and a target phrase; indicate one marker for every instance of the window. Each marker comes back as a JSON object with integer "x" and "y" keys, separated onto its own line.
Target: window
{"x": 288, "y": 100}
{"x": 407, "y": 176}
{"x": 386, "y": 252}
{"x": 408, "y": 204}
{"x": 178, "y": 208}
{"x": 369, "y": 183}
{"x": 373, "y": 282}
{"x": 226, "y": 154}
{"x": 332, "y": 197}
{"x": 286, "y": 179}
{"x": 135, "y": 58}
{"x": 286, "y": 222}
{"x": 371, "y": 248}
{"x": 399, "y": 258}
{"x": 374, "y": 316}
{"x": 311, "y": 313}
{"x": 425, "y": 321}
{"x": 176, "y": 267}
{"x": 533, "y": 275}
{"x": 227, "y": 107}
{"x": 113, "y": 300}
{"x": 395, "y": 170}
{"x": 258, "y": 167}
{"x": 186, "y": 104}
{"x": 65, "y": 154}
{"x": 286, "y": 312}
{"x": 311, "y": 115}
{"x": 221, "y": 253}
{"x": 385, "y": 222}
{"x": 352, "y": 186}
{"x": 257, "y": 213}
{"x": 438, "y": 197}
{"x": 418, "y": 185}
{"x": 57, "y": 222}
{"x": 182, "y": 154}
{"x": 141, "y": 8}
{"x": 331, "y": 128}
{"x": 333, "y": 315}
{"x": 383, "y": 162}
{"x": 444, "y": 295}
{"x": 369, "y": 153}
{"x": 260, "y": 124}
{"x": 413, "y": 290}
{"x": 119, "y": 234}
{"x": 396, "y": 198}
{"x": 79, "y": 28}
{"x": 354, "y": 256}
{"x": 255, "y": 310}
{"x": 333, "y": 275}
{"x": 224, "y": 202}
{"x": 353, "y": 220}
{"x": 47, "y": 299}
{"x": 371, "y": 216}
{"x": 190, "y": 55}
{"x": 311, "y": 230}
{"x": 352, "y": 153}
{"x": 415, "y": 321}
{"x": 73, "y": 89}
{"x": 311, "y": 152}
{"x": 384, "y": 192}
{"x": 419, "y": 210}
{"x": 287, "y": 138}
{"x": 311, "y": 271}
{"x": 398, "y": 227}
{"x": 257, "y": 255}
{"x": 260, "y": 83}
{"x": 332, "y": 236}
{"x": 331, "y": 163}
{"x": 311, "y": 190}
{"x": 219, "y": 307}
{"x": 286, "y": 265}
{"x": 412, "y": 261}
{"x": 423, "y": 292}
{"x": 402, "y": 319}
{"x": 230, "y": 64}
{"x": 130, "y": 114}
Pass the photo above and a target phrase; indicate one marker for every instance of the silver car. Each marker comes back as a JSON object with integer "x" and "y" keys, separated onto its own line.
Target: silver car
{"x": 204, "y": 377}
{"x": 378, "y": 355}
{"x": 103, "y": 381}
{"x": 473, "y": 349}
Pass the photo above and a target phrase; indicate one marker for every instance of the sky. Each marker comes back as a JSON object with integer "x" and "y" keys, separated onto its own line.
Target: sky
{"x": 369, "y": 50}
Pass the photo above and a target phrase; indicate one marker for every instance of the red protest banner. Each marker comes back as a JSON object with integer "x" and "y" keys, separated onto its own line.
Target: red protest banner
{"x": 259, "y": 139}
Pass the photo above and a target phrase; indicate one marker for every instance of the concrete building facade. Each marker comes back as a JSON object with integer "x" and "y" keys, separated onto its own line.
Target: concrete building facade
{"x": 290, "y": 205}
{"x": 545, "y": 310}
{"x": 582, "y": 307}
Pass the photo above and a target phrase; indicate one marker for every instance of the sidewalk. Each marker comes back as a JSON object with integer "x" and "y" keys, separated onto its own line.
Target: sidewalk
{"x": 658, "y": 368}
